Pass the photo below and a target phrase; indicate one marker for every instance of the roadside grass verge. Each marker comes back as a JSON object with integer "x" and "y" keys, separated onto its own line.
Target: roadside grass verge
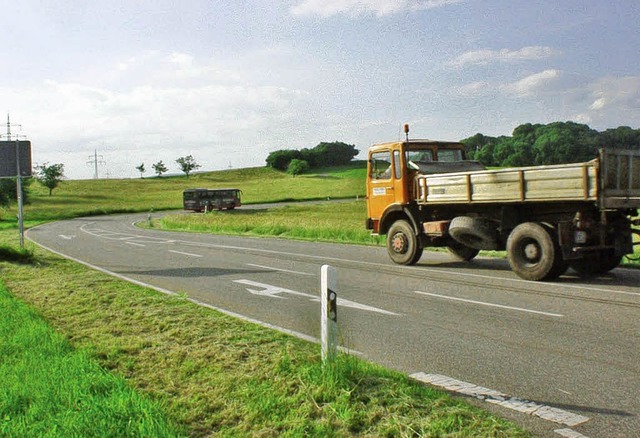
{"x": 214, "y": 374}
{"x": 326, "y": 221}
{"x": 16, "y": 254}
{"x": 50, "y": 389}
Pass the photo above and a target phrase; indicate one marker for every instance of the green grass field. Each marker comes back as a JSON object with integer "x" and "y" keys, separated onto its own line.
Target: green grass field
{"x": 260, "y": 184}
{"x": 325, "y": 221}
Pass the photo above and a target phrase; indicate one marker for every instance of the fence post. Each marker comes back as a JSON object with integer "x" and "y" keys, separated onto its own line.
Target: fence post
{"x": 329, "y": 307}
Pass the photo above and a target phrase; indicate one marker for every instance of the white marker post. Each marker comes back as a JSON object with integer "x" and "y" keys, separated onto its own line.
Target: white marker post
{"x": 329, "y": 321}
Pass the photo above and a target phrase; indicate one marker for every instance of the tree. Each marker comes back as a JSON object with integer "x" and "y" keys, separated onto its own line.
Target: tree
{"x": 50, "y": 175}
{"x": 622, "y": 137}
{"x": 141, "y": 169}
{"x": 297, "y": 167}
{"x": 334, "y": 154}
{"x": 282, "y": 158}
{"x": 187, "y": 164}
{"x": 324, "y": 154}
{"x": 160, "y": 168}
{"x": 9, "y": 193}
{"x": 564, "y": 142}
{"x": 475, "y": 143}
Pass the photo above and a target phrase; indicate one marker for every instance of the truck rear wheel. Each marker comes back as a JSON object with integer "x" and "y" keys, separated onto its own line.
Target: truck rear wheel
{"x": 402, "y": 244}
{"x": 532, "y": 252}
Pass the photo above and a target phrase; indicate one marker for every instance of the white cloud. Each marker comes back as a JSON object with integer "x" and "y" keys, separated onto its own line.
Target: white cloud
{"x": 473, "y": 89}
{"x": 487, "y": 56}
{"x": 598, "y": 104}
{"x": 157, "y": 116}
{"x": 328, "y": 8}
{"x": 537, "y": 82}
{"x": 614, "y": 101}
{"x": 623, "y": 92}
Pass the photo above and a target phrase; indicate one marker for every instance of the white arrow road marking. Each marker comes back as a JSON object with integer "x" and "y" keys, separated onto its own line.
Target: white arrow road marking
{"x": 273, "y": 291}
{"x": 67, "y": 237}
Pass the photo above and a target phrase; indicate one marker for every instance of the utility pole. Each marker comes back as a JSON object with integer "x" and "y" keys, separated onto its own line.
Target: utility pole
{"x": 95, "y": 161}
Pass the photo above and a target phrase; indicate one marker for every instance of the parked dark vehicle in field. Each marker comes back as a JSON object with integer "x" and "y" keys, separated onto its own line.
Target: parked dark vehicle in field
{"x": 209, "y": 199}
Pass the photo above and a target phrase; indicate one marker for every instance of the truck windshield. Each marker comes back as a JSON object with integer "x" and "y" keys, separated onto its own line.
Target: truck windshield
{"x": 423, "y": 156}
{"x": 449, "y": 155}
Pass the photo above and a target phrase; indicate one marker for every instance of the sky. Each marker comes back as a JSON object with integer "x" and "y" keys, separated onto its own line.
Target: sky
{"x": 133, "y": 82}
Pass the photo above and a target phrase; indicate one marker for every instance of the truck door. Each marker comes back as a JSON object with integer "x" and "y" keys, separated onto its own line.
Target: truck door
{"x": 385, "y": 182}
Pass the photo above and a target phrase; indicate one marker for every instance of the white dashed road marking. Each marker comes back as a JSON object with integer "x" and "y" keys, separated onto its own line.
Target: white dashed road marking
{"x": 482, "y": 303}
{"x": 492, "y": 396}
{"x": 185, "y": 253}
{"x": 279, "y": 270}
{"x": 569, "y": 433}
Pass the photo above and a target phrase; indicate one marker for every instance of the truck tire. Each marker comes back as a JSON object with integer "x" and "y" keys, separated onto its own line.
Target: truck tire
{"x": 402, "y": 244}
{"x": 532, "y": 252}
{"x": 462, "y": 252}
{"x": 560, "y": 265}
{"x": 474, "y": 232}
{"x": 597, "y": 264}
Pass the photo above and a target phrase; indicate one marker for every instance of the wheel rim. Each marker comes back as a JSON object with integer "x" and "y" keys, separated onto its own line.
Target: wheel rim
{"x": 399, "y": 243}
{"x": 531, "y": 252}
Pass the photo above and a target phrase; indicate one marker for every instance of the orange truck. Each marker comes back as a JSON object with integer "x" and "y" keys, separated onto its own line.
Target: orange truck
{"x": 424, "y": 193}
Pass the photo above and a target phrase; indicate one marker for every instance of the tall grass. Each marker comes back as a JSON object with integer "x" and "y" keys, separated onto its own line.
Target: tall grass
{"x": 50, "y": 389}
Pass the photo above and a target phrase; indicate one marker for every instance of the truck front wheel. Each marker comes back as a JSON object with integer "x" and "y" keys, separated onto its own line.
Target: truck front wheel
{"x": 532, "y": 253}
{"x": 402, "y": 244}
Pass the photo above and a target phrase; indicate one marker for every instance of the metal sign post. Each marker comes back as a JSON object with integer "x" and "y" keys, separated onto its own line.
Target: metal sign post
{"x": 19, "y": 194}
{"x": 10, "y": 152}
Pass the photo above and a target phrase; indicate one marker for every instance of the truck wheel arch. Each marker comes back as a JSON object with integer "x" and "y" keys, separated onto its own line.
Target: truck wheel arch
{"x": 395, "y": 213}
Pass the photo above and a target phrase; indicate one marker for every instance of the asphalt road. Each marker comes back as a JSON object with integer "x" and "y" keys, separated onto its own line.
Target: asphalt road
{"x": 559, "y": 358}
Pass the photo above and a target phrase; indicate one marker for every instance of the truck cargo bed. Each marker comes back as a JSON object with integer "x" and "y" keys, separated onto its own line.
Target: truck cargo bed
{"x": 612, "y": 180}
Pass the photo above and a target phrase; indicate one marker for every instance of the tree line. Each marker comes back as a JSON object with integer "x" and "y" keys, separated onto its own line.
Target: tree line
{"x": 187, "y": 165}
{"x": 323, "y": 155}
{"x": 50, "y": 176}
{"x": 553, "y": 143}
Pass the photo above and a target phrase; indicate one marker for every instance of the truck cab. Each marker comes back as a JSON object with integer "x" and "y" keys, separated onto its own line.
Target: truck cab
{"x": 392, "y": 168}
